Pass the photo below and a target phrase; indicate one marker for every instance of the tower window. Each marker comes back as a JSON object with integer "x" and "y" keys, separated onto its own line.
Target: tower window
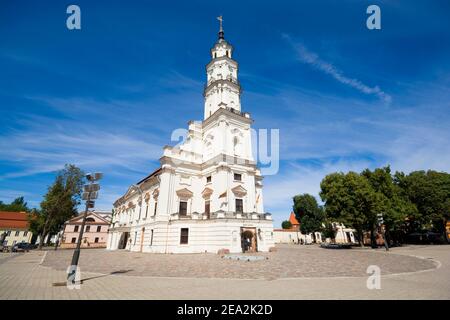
{"x": 237, "y": 177}
{"x": 227, "y": 54}
{"x": 208, "y": 179}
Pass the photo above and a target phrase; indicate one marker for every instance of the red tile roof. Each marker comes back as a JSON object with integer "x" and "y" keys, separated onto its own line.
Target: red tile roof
{"x": 13, "y": 220}
{"x": 293, "y": 220}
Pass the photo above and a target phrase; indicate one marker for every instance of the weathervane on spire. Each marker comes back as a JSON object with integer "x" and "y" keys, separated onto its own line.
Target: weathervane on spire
{"x": 221, "y": 33}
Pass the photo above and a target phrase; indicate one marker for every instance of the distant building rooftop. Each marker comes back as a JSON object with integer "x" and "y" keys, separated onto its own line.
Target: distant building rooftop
{"x": 13, "y": 220}
{"x": 293, "y": 220}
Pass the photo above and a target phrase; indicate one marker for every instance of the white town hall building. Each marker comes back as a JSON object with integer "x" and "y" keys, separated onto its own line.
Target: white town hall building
{"x": 207, "y": 193}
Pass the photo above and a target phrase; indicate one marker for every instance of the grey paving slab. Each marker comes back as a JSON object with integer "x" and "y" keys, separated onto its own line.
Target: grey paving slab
{"x": 409, "y": 278}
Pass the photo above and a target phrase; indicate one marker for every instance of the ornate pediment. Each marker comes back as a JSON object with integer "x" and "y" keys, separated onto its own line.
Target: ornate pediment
{"x": 91, "y": 217}
{"x": 131, "y": 190}
{"x": 184, "y": 193}
{"x": 239, "y": 191}
{"x": 207, "y": 192}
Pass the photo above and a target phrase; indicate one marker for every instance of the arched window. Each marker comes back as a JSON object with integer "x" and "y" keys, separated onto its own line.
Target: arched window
{"x": 90, "y": 220}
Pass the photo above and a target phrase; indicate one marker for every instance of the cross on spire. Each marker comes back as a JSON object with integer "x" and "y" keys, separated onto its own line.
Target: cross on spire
{"x": 220, "y": 18}
{"x": 221, "y": 33}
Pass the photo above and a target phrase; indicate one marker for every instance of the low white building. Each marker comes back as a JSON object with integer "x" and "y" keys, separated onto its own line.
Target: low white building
{"x": 343, "y": 234}
{"x": 296, "y": 237}
{"x": 207, "y": 193}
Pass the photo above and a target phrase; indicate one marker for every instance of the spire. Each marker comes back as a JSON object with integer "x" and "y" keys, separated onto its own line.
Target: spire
{"x": 221, "y": 33}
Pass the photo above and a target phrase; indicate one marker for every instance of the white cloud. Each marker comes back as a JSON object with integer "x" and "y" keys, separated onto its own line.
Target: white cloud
{"x": 41, "y": 151}
{"x": 311, "y": 58}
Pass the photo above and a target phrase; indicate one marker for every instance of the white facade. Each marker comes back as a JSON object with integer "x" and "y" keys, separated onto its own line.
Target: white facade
{"x": 207, "y": 193}
{"x": 343, "y": 234}
{"x": 296, "y": 237}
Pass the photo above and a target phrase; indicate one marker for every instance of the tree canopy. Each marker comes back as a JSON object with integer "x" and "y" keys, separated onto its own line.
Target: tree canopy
{"x": 16, "y": 205}
{"x": 60, "y": 202}
{"x": 429, "y": 192}
{"x": 286, "y": 224}
{"x": 310, "y": 215}
{"x": 417, "y": 201}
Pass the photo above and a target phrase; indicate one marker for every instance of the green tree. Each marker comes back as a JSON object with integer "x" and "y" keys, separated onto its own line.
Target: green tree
{"x": 350, "y": 199}
{"x": 394, "y": 206}
{"x": 286, "y": 224}
{"x": 36, "y": 221}
{"x": 308, "y": 212}
{"x": 429, "y": 191}
{"x": 60, "y": 201}
{"x": 17, "y": 205}
{"x": 329, "y": 231}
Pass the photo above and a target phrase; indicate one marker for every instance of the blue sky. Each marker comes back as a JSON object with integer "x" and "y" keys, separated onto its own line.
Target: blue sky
{"x": 108, "y": 96}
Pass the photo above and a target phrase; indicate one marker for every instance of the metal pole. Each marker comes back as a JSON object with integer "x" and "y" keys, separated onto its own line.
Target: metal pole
{"x": 56, "y": 242}
{"x": 386, "y": 245}
{"x": 76, "y": 253}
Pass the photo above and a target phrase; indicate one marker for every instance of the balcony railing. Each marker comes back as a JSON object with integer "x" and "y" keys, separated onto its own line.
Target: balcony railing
{"x": 228, "y": 78}
{"x": 222, "y": 215}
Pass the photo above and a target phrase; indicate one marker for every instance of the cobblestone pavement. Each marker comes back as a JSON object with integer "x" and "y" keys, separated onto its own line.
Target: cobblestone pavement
{"x": 289, "y": 261}
{"x": 24, "y": 277}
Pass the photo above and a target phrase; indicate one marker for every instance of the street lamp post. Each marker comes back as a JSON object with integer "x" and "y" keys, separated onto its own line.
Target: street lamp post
{"x": 380, "y": 224}
{"x": 90, "y": 194}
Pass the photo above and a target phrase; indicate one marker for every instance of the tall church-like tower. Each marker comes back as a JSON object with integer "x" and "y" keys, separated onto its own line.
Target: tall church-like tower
{"x": 222, "y": 88}
{"x": 207, "y": 194}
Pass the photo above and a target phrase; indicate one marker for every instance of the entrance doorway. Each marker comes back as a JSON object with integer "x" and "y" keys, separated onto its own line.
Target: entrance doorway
{"x": 248, "y": 240}
{"x": 123, "y": 240}
{"x": 349, "y": 238}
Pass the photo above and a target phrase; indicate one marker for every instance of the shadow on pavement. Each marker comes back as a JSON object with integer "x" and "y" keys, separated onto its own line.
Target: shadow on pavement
{"x": 63, "y": 284}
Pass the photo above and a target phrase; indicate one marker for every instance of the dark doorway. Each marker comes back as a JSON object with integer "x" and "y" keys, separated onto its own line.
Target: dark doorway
{"x": 349, "y": 239}
{"x": 248, "y": 240}
{"x": 123, "y": 240}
